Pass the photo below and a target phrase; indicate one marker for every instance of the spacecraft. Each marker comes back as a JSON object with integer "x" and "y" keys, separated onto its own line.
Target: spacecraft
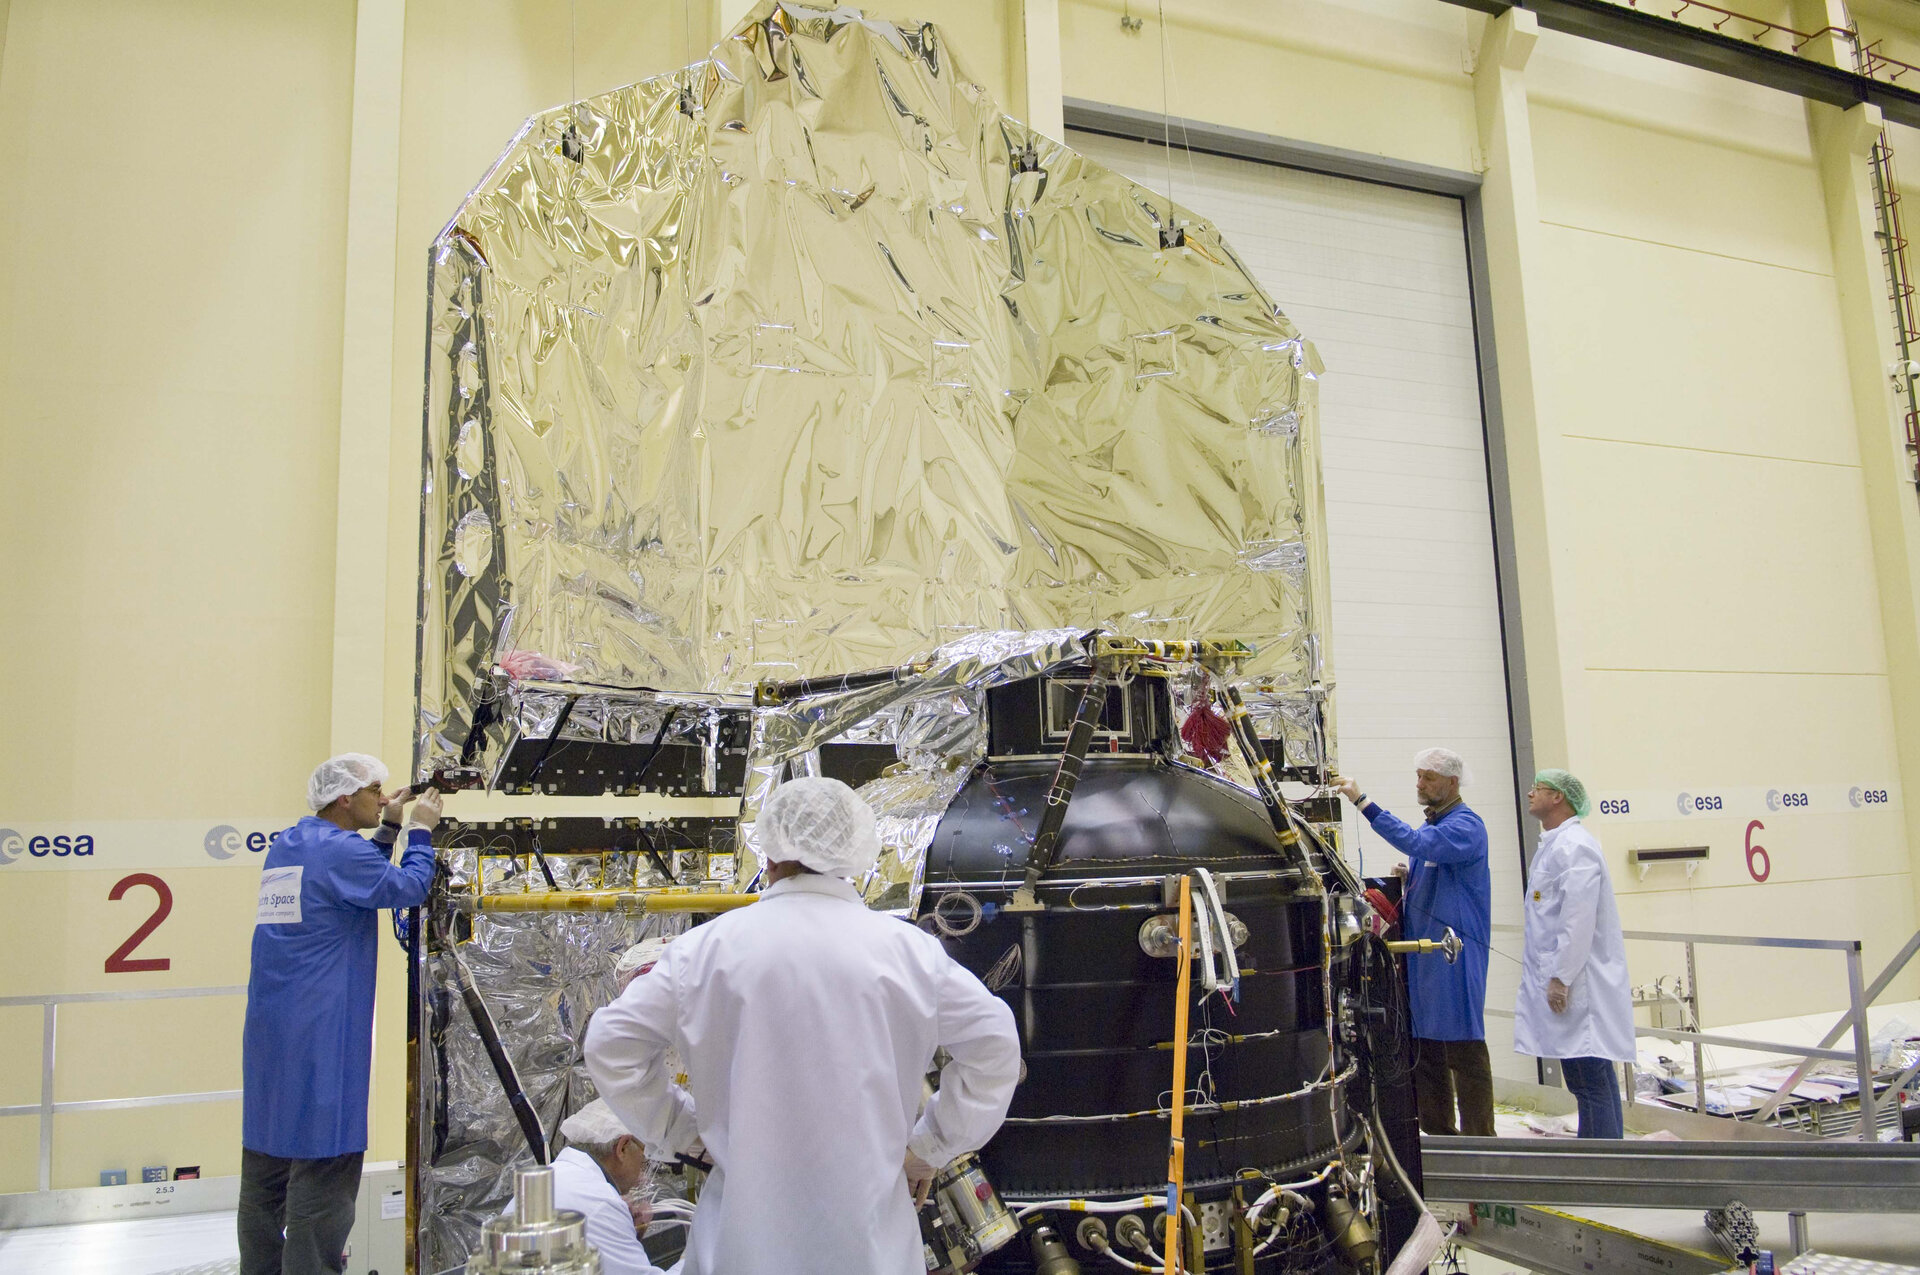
{"x": 800, "y": 412}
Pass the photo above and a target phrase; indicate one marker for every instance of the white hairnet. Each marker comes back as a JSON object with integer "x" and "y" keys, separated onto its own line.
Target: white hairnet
{"x": 1441, "y": 761}
{"x": 642, "y": 954}
{"x": 342, "y": 776}
{"x": 822, "y": 824}
{"x": 594, "y": 1125}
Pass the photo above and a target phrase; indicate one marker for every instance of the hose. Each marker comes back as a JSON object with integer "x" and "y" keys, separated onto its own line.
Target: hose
{"x": 1382, "y": 1147}
{"x": 1203, "y": 930}
{"x": 1128, "y": 1205}
{"x": 1280, "y": 1189}
{"x": 503, "y": 1068}
{"x": 1225, "y": 932}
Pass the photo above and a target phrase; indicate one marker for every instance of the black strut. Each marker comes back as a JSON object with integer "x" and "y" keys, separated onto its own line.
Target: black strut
{"x": 1066, "y": 776}
{"x": 496, "y": 1051}
{"x": 1286, "y": 825}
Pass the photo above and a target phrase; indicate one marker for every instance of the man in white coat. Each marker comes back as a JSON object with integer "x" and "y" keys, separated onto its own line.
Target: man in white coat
{"x": 1575, "y": 1003}
{"x": 808, "y": 1024}
{"x": 592, "y": 1175}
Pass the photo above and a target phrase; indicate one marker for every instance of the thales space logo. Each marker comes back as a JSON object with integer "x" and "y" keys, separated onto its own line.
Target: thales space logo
{"x": 61, "y": 846}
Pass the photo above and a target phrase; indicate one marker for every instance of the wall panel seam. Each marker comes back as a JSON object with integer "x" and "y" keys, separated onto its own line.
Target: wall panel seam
{"x": 1715, "y": 451}
{"x": 1679, "y": 247}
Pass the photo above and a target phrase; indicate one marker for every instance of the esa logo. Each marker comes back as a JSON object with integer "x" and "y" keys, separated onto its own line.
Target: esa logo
{"x": 1859, "y": 797}
{"x": 1615, "y": 806}
{"x": 224, "y": 842}
{"x": 13, "y": 845}
{"x": 1777, "y": 800}
{"x": 1689, "y": 804}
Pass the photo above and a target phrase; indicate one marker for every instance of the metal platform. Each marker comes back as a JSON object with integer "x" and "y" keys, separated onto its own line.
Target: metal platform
{"x": 1809, "y": 1175}
{"x": 1556, "y": 1243}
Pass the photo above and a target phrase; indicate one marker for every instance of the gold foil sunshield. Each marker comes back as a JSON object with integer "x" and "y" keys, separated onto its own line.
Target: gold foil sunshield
{"x": 808, "y": 359}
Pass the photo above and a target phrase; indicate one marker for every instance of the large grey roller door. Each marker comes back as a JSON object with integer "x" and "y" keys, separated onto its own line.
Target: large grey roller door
{"x": 1377, "y": 278}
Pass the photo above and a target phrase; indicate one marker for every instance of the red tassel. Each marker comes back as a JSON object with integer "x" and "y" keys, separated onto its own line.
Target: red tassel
{"x": 1205, "y": 732}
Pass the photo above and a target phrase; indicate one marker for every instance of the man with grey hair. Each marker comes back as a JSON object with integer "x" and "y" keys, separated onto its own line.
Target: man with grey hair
{"x": 595, "y": 1176}
{"x": 1448, "y": 887}
{"x": 808, "y": 1024}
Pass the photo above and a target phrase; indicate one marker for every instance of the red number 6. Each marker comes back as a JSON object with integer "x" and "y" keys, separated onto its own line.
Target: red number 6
{"x": 121, "y": 961}
{"x": 1754, "y": 852}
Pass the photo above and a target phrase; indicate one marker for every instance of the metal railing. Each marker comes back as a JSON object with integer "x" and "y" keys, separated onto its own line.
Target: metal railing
{"x": 47, "y": 1108}
{"x": 1860, "y": 994}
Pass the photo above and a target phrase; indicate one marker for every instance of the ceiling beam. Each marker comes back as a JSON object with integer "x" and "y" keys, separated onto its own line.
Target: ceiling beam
{"x": 1659, "y": 37}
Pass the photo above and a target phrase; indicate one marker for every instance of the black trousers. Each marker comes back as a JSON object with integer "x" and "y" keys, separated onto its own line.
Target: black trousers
{"x": 295, "y": 1214}
{"x": 1444, "y": 1070}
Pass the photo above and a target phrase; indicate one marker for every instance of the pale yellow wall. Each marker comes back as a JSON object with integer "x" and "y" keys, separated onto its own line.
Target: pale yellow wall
{"x": 1728, "y": 615}
{"x": 171, "y": 310}
{"x": 1389, "y": 79}
{"x": 170, "y": 317}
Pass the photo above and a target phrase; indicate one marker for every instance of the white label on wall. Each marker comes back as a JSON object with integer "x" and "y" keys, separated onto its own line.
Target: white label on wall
{"x": 279, "y": 897}
{"x": 393, "y": 1204}
{"x": 124, "y": 845}
{"x": 1702, "y": 801}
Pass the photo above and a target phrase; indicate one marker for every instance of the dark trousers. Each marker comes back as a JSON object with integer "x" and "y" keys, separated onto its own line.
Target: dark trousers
{"x": 295, "y": 1214}
{"x": 1597, "y": 1091}
{"x": 1446, "y": 1069}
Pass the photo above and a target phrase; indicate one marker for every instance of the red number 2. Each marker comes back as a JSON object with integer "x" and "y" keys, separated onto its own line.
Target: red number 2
{"x": 1758, "y": 871}
{"x": 120, "y": 962}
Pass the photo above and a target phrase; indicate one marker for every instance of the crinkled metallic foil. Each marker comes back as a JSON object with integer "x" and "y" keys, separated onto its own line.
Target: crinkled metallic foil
{"x": 806, "y": 357}
{"x": 801, "y": 361}
{"x": 541, "y": 976}
{"x": 938, "y": 727}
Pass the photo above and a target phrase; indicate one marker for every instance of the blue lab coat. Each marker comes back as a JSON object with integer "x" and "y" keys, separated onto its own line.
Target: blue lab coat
{"x": 308, "y": 1041}
{"x": 1447, "y": 886}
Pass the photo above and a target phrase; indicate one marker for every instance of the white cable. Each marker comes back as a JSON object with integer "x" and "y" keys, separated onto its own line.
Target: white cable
{"x": 1152, "y": 1203}
{"x": 1128, "y": 1262}
{"x": 1128, "y": 1205}
{"x": 1094, "y": 1206}
{"x": 1273, "y": 1193}
{"x": 1209, "y": 980}
{"x": 1226, "y": 932}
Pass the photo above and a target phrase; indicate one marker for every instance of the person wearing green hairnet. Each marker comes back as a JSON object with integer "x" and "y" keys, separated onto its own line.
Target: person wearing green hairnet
{"x": 1575, "y": 1002}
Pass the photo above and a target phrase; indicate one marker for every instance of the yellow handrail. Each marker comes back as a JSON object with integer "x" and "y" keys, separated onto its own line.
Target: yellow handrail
{"x": 613, "y": 901}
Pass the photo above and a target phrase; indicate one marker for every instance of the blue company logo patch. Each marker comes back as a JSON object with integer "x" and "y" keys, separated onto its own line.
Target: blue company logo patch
{"x": 60, "y": 846}
{"x": 224, "y": 841}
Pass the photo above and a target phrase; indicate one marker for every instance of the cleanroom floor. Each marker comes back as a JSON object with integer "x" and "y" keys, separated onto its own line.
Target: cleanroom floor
{"x": 187, "y": 1244}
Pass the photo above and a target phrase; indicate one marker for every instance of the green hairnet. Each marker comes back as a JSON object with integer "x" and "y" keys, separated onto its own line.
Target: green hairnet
{"x": 1567, "y": 786}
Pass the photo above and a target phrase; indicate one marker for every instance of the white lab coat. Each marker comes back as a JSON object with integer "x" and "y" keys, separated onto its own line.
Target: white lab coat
{"x": 807, "y": 1024}
{"x": 1573, "y": 934}
{"x": 580, "y": 1184}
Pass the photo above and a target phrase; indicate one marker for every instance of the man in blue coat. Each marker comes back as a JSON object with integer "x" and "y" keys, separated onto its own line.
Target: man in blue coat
{"x": 308, "y": 1041}
{"x": 1448, "y": 886}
